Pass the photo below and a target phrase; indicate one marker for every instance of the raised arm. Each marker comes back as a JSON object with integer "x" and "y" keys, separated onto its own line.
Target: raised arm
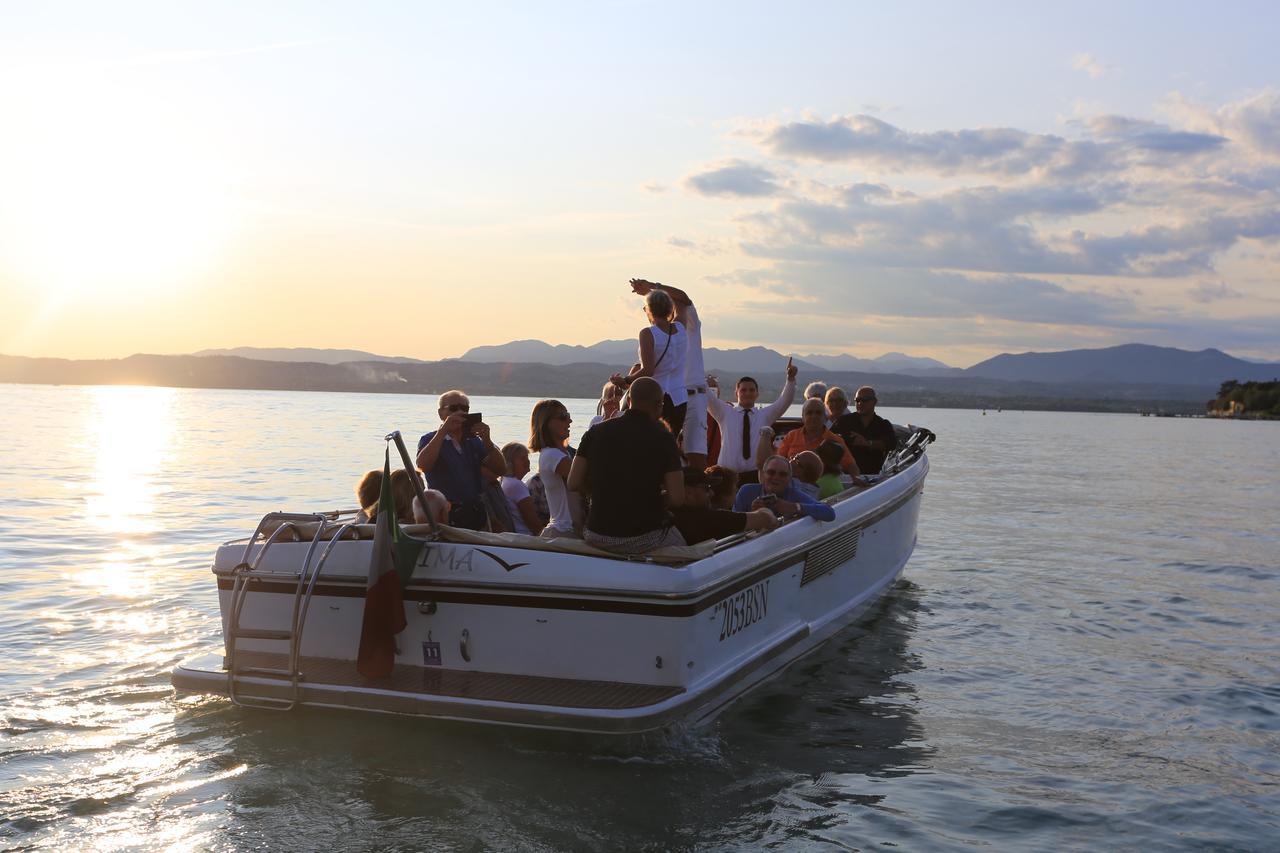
{"x": 678, "y": 297}
{"x": 778, "y": 407}
{"x": 718, "y": 408}
{"x": 493, "y": 458}
{"x": 430, "y": 452}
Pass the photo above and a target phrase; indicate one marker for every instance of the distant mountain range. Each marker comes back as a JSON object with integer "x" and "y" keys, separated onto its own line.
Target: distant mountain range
{"x": 890, "y": 362}
{"x": 750, "y": 360}
{"x": 1128, "y": 363}
{"x": 1114, "y": 379}
{"x": 307, "y": 354}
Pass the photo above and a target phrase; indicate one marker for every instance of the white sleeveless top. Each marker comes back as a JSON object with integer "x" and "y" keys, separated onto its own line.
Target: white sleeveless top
{"x": 669, "y": 372}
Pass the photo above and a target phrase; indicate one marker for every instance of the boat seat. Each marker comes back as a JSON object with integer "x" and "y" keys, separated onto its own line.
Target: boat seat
{"x": 670, "y": 555}
{"x": 306, "y": 532}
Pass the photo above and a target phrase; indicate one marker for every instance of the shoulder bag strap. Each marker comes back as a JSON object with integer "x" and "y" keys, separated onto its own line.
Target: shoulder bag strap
{"x": 667, "y": 347}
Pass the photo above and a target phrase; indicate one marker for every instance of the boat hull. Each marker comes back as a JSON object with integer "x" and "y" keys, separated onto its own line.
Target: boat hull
{"x": 507, "y": 635}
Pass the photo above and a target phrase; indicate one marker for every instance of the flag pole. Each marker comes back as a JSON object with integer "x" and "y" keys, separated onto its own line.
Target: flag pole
{"x": 416, "y": 480}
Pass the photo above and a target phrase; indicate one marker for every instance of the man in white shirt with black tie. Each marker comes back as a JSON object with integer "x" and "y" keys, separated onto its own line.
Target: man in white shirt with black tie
{"x": 740, "y": 424}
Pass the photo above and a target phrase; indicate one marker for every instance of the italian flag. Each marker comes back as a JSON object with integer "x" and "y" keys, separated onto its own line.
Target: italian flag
{"x": 390, "y": 567}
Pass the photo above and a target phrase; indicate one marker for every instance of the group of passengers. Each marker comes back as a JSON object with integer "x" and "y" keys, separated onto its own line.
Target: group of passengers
{"x": 640, "y": 478}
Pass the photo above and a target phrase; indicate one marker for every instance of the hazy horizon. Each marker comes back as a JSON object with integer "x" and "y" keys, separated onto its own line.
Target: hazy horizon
{"x": 948, "y": 182}
{"x": 797, "y": 354}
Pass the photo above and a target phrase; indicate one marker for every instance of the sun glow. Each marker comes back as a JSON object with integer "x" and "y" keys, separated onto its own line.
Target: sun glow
{"x": 108, "y": 192}
{"x": 130, "y": 434}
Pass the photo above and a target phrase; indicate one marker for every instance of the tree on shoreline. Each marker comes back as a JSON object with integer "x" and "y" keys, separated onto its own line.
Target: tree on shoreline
{"x": 1247, "y": 399}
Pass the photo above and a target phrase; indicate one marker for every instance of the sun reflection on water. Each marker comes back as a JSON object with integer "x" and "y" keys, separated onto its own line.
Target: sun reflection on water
{"x": 130, "y": 429}
{"x": 121, "y": 575}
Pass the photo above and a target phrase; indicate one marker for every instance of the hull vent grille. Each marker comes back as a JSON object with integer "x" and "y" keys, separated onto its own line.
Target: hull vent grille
{"x": 823, "y": 559}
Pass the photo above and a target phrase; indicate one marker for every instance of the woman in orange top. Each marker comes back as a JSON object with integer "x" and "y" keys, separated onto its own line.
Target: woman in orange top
{"x": 812, "y": 433}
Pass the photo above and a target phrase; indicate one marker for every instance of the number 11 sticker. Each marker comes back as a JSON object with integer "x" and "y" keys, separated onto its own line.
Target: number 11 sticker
{"x": 431, "y": 653}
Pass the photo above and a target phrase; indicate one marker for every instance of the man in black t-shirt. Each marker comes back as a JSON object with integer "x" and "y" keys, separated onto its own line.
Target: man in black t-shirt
{"x": 698, "y": 521}
{"x": 868, "y": 436}
{"x": 624, "y": 464}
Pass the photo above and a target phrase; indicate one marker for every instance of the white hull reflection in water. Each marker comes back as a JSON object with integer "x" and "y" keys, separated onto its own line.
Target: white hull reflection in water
{"x": 1081, "y": 654}
{"x": 514, "y": 630}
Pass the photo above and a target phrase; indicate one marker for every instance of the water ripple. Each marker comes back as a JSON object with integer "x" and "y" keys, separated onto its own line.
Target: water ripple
{"x": 1082, "y": 655}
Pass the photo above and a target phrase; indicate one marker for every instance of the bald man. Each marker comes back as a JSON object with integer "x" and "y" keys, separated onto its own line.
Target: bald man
{"x": 624, "y": 464}
{"x": 867, "y": 435}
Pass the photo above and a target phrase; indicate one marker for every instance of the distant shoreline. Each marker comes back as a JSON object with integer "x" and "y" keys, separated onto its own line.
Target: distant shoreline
{"x": 895, "y": 400}
{"x": 582, "y": 380}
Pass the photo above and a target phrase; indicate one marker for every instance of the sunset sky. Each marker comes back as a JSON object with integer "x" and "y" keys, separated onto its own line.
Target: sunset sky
{"x": 950, "y": 180}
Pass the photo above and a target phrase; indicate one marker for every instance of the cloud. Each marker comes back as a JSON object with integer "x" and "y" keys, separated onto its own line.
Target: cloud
{"x": 1102, "y": 235}
{"x": 1205, "y": 292}
{"x": 654, "y": 188}
{"x": 1251, "y": 123}
{"x": 734, "y": 179}
{"x": 975, "y": 339}
{"x": 1150, "y": 136}
{"x": 1112, "y": 144}
{"x": 839, "y": 290}
{"x": 705, "y": 248}
{"x": 962, "y": 309}
{"x": 1255, "y": 121}
{"x": 997, "y": 230}
{"x": 1089, "y": 64}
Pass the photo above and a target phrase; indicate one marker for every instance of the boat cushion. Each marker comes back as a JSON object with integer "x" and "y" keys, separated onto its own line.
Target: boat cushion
{"x": 669, "y": 555}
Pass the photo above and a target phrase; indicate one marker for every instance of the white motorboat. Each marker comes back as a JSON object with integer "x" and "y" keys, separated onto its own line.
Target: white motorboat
{"x": 516, "y": 630}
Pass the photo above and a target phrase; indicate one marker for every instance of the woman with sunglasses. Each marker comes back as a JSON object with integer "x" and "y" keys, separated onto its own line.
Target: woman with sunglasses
{"x": 812, "y": 433}
{"x": 549, "y": 438}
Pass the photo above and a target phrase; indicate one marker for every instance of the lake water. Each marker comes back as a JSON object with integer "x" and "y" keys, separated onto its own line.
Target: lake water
{"x": 1083, "y": 653}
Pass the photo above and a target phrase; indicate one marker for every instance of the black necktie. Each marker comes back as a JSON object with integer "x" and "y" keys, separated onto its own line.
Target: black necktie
{"x": 746, "y": 433}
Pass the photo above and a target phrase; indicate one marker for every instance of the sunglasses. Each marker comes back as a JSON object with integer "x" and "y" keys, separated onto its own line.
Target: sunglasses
{"x": 563, "y": 416}
{"x": 457, "y": 407}
{"x": 864, "y": 399}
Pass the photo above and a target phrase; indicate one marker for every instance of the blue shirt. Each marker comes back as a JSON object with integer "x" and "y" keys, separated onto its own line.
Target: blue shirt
{"x": 457, "y": 472}
{"x": 808, "y": 506}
